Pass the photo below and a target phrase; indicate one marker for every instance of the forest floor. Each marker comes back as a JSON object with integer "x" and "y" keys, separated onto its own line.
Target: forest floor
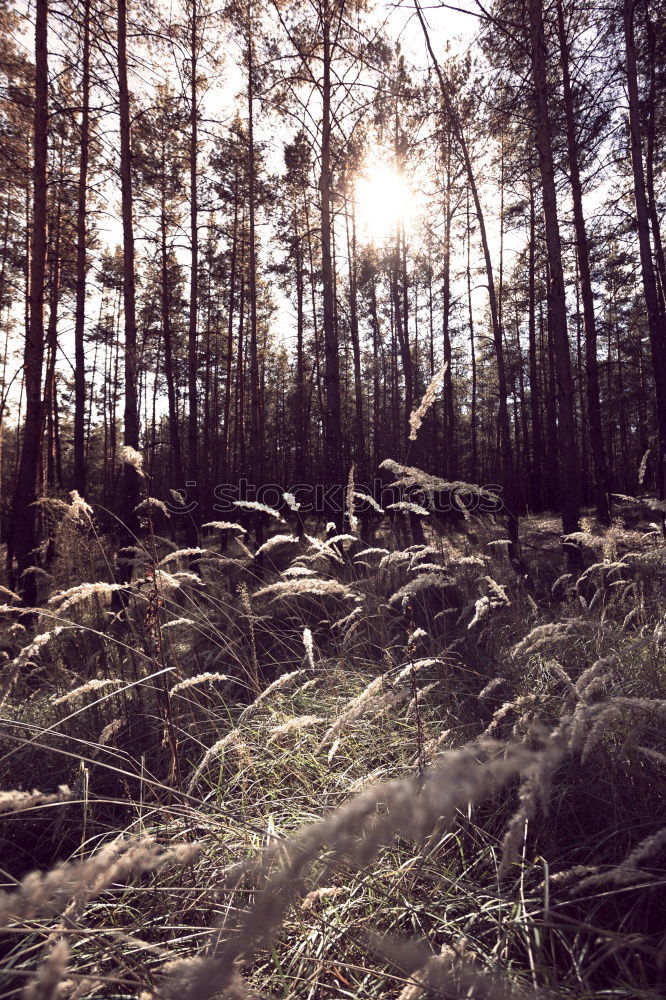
{"x": 338, "y": 770}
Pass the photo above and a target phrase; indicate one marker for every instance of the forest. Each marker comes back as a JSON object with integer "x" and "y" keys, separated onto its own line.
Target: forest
{"x": 332, "y": 499}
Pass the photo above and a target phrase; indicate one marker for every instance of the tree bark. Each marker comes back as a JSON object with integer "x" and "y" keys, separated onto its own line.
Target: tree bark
{"x": 656, "y": 323}
{"x": 568, "y": 459}
{"x": 194, "y": 519}
{"x": 332, "y": 450}
{"x": 600, "y": 469}
{"x": 131, "y": 479}
{"x": 24, "y": 534}
{"x": 80, "y": 477}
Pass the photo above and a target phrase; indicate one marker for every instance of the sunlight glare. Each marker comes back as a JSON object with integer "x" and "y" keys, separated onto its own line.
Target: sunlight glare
{"x": 384, "y": 200}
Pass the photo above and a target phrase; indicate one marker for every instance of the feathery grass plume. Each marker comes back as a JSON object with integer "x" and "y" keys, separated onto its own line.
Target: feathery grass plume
{"x": 66, "y": 599}
{"x": 292, "y": 572}
{"x": 6, "y": 592}
{"x": 407, "y": 671}
{"x": 276, "y": 541}
{"x": 276, "y": 685}
{"x": 481, "y": 611}
{"x": 427, "y": 568}
{"x": 49, "y": 893}
{"x": 46, "y": 984}
{"x": 308, "y": 643}
{"x": 369, "y": 499}
{"x": 642, "y": 469}
{"x": 348, "y": 619}
{"x": 110, "y": 731}
{"x": 602, "y": 667}
{"x": 544, "y": 635}
{"x": 628, "y": 871}
{"x": 395, "y": 560}
{"x": 565, "y": 578}
{"x": 416, "y": 637}
{"x": 414, "y": 587}
{"x": 79, "y": 510}
{"x": 294, "y": 725}
{"x": 591, "y": 721}
{"x": 349, "y": 502}
{"x": 354, "y": 709}
{"x": 633, "y": 615}
{"x": 417, "y": 698}
{"x": 260, "y": 508}
{"x": 404, "y": 507}
{"x": 130, "y": 456}
{"x": 499, "y": 543}
{"x": 182, "y": 554}
{"x": 355, "y": 833}
{"x": 149, "y": 504}
{"x": 372, "y": 551}
{"x": 509, "y": 706}
{"x": 93, "y": 685}
{"x": 309, "y": 587}
{"x": 498, "y": 594}
{"x": 225, "y": 526}
{"x": 305, "y": 687}
{"x": 336, "y": 539}
{"x": 34, "y": 571}
{"x": 291, "y": 501}
{"x": 13, "y": 801}
{"x": 321, "y": 548}
{"x": 429, "y": 396}
{"x": 232, "y": 739}
{"x": 177, "y": 623}
{"x": 34, "y": 648}
{"x": 491, "y": 686}
{"x": 207, "y": 678}
{"x": 411, "y": 478}
{"x": 450, "y": 974}
{"x": 559, "y": 670}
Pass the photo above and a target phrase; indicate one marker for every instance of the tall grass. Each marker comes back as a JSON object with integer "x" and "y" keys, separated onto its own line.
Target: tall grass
{"x": 358, "y": 769}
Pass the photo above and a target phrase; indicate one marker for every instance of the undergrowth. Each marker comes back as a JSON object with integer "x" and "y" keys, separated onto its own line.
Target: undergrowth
{"x": 337, "y": 766}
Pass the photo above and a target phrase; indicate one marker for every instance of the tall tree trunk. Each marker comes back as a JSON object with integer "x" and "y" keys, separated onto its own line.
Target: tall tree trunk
{"x": 174, "y": 429}
{"x": 359, "y": 451}
{"x": 194, "y": 519}
{"x": 131, "y": 479}
{"x": 472, "y": 347}
{"x": 655, "y": 318}
{"x": 332, "y": 451}
{"x": 50, "y": 400}
{"x": 256, "y": 444}
{"x": 651, "y": 138}
{"x": 567, "y": 427}
{"x": 24, "y": 534}
{"x": 80, "y": 481}
{"x": 601, "y": 484}
{"x": 536, "y": 491}
{"x": 226, "y": 419}
{"x": 449, "y": 444}
{"x": 504, "y": 426}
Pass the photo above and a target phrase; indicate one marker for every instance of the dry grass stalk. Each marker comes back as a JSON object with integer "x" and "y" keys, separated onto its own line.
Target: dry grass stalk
{"x": 13, "y": 801}
{"x": 48, "y": 894}
{"x": 93, "y": 685}
{"x": 207, "y": 678}
{"x": 277, "y": 685}
{"x": 355, "y": 833}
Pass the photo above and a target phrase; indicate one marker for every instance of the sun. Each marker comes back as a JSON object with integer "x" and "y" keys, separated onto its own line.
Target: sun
{"x": 384, "y": 201}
